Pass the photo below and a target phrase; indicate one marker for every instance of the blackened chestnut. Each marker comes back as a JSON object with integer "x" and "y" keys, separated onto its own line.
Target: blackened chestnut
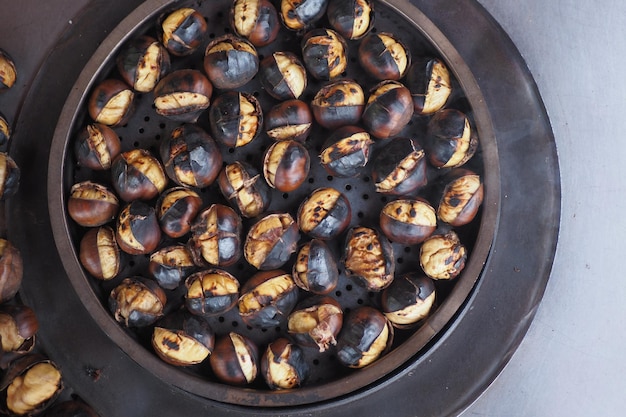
{"x": 5, "y": 130}
{"x": 182, "y": 339}
{"x": 176, "y": 209}
{"x": 283, "y": 365}
{"x": 137, "y": 302}
{"x": 428, "y": 80}
{"x": 271, "y": 241}
{"x": 290, "y": 119}
{"x": 368, "y": 256}
{"x": 8, "y": 72}
{"x": 324, "y": 53}
{"x": 315, "y": 269}
{"x": 346, "y": 151}
{"x": 353, "y": 19}
{"x": 299, "y": 15}
{"x": 236, "y": 118}
{"x": 462, "y": 197}
{"x": 211, "y": 292}
{"x": 443, "y": 256}
{"x": 242, "y": 185}
{"x": 283, "y": 75}
{"x": 11, "y": 270}
{"x": 316, "y": 322}
{"x": 408, "y": 300}
{"x": 142, "y": 62}
{"x": 18, "y": 330}
{"x": 99, "y": 253}
{"x": 9, "y": 176}
{"x": 255, "y": 20}
{"x": 137, "y": 175}
{"x": 96, "y": 145}
{"x": 400, "y": 168}
{"x": 324, "y": 214}
{"x": 388, "y": 110}
{"x": 338, "y": 103}
{"x": 182, "y": 31}
{"x": 384, "y": 56}
{"x": 267, "y": 298}
{"x": 230, "y": 62}
{"x": 286, "y": 165}
{"x": 408, "y": 222}
{"x": 235, "y": 359}
{"x": 365, "y": 336}
{"x": 137, "y": 230}
{"x": 170, "y": 265}
{"x": 91, "y": 204}
{"x": 111, "y": 102}
{"x": 451, "y": 140}
{"x": 182, "y": 95}
{"x": 216, "y": 236}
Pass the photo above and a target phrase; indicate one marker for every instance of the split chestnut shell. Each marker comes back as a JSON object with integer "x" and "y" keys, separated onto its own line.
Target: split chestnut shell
{"x": 170, "y": 265}
{"x": 235, "y": 359}
{"x": 244, "y": 188}
{"x": 18, "y": 330}
{"x": 461, "y": 198}
{"x": 286, "y": 165}
{"x": 298, "y": 15}
{"x": 91, "y": 204}
{"x": 182, "y": 31}
{"x": 255, "y": 20}
{"x": 368, "y": 256}
{"x": 142, "y": 62}
{"x": 346, "y": 151}
{"x": 137, "y": 229}
{"x": 365, "y": 336}
{"x": 8, "y": 72}
{"x": 11, "y": 270}
{"x": 176, "y": 209}
{"x": 315, "y": 269}
{"x": 429, "y": 81}
{"x": 408, "y": 222}
{"x": 216, "y": 236}
{"x": 271, "y": 241}
{"x": 137, "y": 302}
{"x": 388, "y": 110}
{"x": 96, "y": 146}
{"x": 230, "y": 62}
{"x": 138, "y": 175}
{"x": 290, "y": 119}
{"x": 211, "y": 292}
{"x": 443, "y": 256}
{"x": 111, "y": 103}
{"x": 408, "y": 300}
{"x": 338, "y": 103}
{"x": 384, "y": 56}
{"x": 283, "y": 76}
{"x": 400, "y": 168}
{"x": 182, "y": 339}
{"x": 236, "y": 118}
{"x": 316, "y": 322}
{"x": 99, "y": 253}
{"x": 324, "y": 214}
{"x": 324, "y": 53}
{"x": 353, "y": 19}
{"x": 283, "y": 365}
{"x": 182, "y": 95}
{"x": 267, "y": 299}
{"x": 451, "y": 140}
{"x": 9, "y": 176}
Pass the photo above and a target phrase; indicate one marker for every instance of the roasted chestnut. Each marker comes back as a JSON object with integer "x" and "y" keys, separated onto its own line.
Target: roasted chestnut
{"x": 71, "y": 408}
{"x": 462, "y": 197}
{"x": 182, "y": 95}
{"x": 286, "y": 165}
{"x": 99, "y": 253}
{"x": 191, "y": 156}
{"x": 451, "y": 139}
{"x": 324, "y": 214}
{"x": 271, "y": 241}
{"x": 11, "y": 270}
{"x": 137, "y": 175}
{"x": 267, "y": 298}
{"x": 230, "y": 62}
{"x": 428, "y": 80}
{"x": 365, "y": 336}
{"x": 137, "y": 231}
{"x": 316, "y": 322}
{"x": 324, "y": 53}
{"x": 255, "y": 20}
{"x": 242, "y": 185}
{"x": 283, "y": 76}
{"x": 353, "y": 19}
{"x": 400, "y": 168}
{"x": 170, "y": 265}
{"x": 369, "y": 257}
{"x": 236, "y": 118}
{"x": 18, "y": 330}
{"x": 338, "y": 103}
{"x": 137, "y": 302}
{"x": 9, "y": 176}
{"x": 315, "y": 269}
{"x": 443, "y": 256}
{"x": 96, "y": 145}
{"x": 176, "y": 209}
{"x": 388, "y": 110}
{"x": 142, "y": 62}
{"x": 211, "y": 292}
{"x": 384, "y": 56}
{"x": 235, "y": 359}
{"x": 216, "y": 236}
{"x": 290, "y": 119}
{"x": 408, "y": 222}
{"x": 91, "y": 204}
{"x": 346, "y": 151}
{"x": 283, "y": 365}
{"x": 408, "y": 299}
{"x": 299, "y": 15}
{"x": 182, "y": 339}
{"x": 182, "y": 31}
{"x": 5, "y": 130}
{"x": 111, "y": 103}
{"x": 8, "y": 73}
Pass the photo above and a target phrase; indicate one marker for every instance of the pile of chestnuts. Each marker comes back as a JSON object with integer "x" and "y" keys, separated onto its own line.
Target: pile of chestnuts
{"x": 299, "y": 156}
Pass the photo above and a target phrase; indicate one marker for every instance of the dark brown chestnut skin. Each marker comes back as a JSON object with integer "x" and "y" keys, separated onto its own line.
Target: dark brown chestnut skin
{"x": 408, "y": 300}
{"x": 461, "y": 198}
{"x": 299, "y": 15}
{"x": 400, "y": 168}
{"x": 443, "y": 256}
{"x": 176, "y": 209}
{"x": 230, "y": 62}
{"x": 18, "y": 330}
{"x": 137, "y": 230}
{"x": 236, "y": 118}
{"x": 283, "y": 76}
{"x": 338, "y": 103}
{"x": 451, "y": 140}
{"x": 316, "y": 322}
{"x": 290, "y": 119}
{"x": 182, "y": 339}
{"x": 11, "y": 270}
{"x": 142, "y": 62}
{"x": 324, "y": 214}
{"x": 137, "y": 175}
{"x": 91, "y": 204}
{"x": 235, "y": 359}
{"x": 365, "y": 336}
{"x": 211, "y": 292}
{"x": 96, "y": 145}
{"x": 368, "y": 257}
{"x": 428, "y": 79}
{"x": 99, "y": 253}
{"x": 388, "y": 110}
{"x": 8, "y": 72}
{"x": 353, "y": 19}
{"x": 408, "y": 221}
{"x": 171, "y": 265}
{"x": 384, "y": 56}
{"x": 191, "y": 156}
{"x": 283, "y": 365}
{"x": 244, "y": 188}
{"x": 286, "y": 165}
{"x": 182, "y": 95}
{"x": 324, "y": 53}
{"x": 137, "y": 302}
{"x": 216, "y": 236}
{"x": 9, "y": 176}
{"x": 346, "y": 152}
{"x": 5, "y": 130}
{"x": 71, "y": 408}
{"x": 182, "y": 31}
{"x": 315, "y": 269}
{"x": 267, "y": 298}
{"x": 255, "y": 20}
{"x": 271, "y": 241}
{"x": 112, "y": 102}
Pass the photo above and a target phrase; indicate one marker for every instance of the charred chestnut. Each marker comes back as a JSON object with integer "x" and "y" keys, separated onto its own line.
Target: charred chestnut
{"x": 283, "y": 76}
{"x": 18, "y": 330}
{"x": 5, "y": 130}
{"x": 96, "y": 146}
{"x": 99, "y": 253}
{"x": 388, "y": 110}
{"x": 324, "y": 53}
{"x": 283, "y": 365}
{"x": 111, "y": 103}
{"x": 182, "y": 339}
{"x": 170, "y": 265}
{"x": 137, "y": 175}
{"x": 462, "y": 197}
{"x": 366, "y": 335}
{"x": 182, "y": 95}
{"x": 315, "y": 269}
{"x": 290, "y": 119}
{"x": 346, "y": 152}
{"x": 255, "y": 20}
{"x": 408, "y": 222}
{"x": 428, "y": 80}
{"x": 408, "y": 299}
{"x": 443, "y": 256}
{"x": 286, "y": 165}
{"x": 8, "y": 73}
{"x": 369, "y": 257}
{"x": 230, "y": 62}
{"x": 451, "y": 139}
{"x": 216, "y": 236}
{"x": 353, "y": 19}
{"x": 137, "y": 231}
{"x": 176, "y": 209}
{"x": 236, "y": 118}
{"x": 11, "y": 270}
{"x": 316, "y": 322}
{"x": 91, "y": 204}
{"x": 242, "y": 185}
{"x": 299, "y": 15}
{"x": 400, "y": 168}
{"x": 137, "y": 302}
{"x": 9, "y": 176}
{"x": 267, "y": 298}
{"x": 191, "y": 157}
{"x": 384, "y": 56}
{"x": 271, "y": 241}
{"x": 235, "y": 359}
{"x": 338, "y": 103}
{"x": 182, "y": 31}
{"x": 71, "y": 408}
{"x": 324, "y": 214}
{"x": 142, "y": 62}
{"x": 211, "y": 292}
